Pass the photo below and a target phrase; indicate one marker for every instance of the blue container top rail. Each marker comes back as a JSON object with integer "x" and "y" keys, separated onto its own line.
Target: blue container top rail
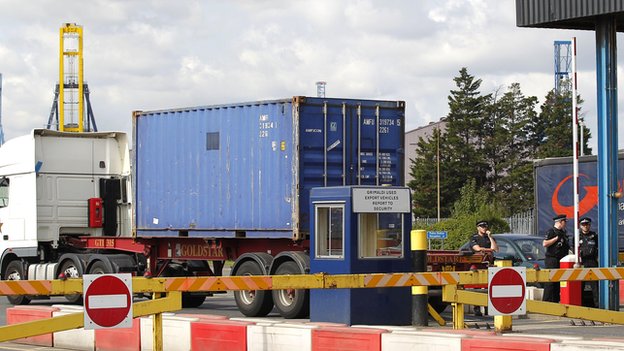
{"x": 246, "y": 169}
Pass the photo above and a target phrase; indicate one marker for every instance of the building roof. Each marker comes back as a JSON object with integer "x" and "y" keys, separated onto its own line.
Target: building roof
{"x": 567, "y": 14}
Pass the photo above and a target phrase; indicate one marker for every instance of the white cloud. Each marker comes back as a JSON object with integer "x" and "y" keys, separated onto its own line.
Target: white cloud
{"x": 162, "y": 54}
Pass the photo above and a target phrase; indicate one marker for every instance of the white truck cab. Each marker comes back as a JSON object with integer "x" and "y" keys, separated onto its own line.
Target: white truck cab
{"x": 46, "y": 181}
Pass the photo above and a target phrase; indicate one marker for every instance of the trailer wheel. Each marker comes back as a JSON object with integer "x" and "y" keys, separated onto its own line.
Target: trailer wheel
{"x": 252, "y": 303}
{"x": 291, "y": 303}
{"x": 72, "y": 271}
{"x": 99, "y": 267}
{"x": 192, "y": 301}
{"x": 15, "y": 271}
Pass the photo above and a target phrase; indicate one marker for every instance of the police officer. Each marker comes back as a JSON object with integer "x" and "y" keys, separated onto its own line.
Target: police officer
{"x": 482, "y": 241}
{"x": 557, "y": 247}
{"x": 588, "y": 251}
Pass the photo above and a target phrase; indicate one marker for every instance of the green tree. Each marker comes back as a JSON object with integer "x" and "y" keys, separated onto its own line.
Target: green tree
{"x": 473, "y": 204}
{"x": 465, "y": 135}
{"x": 511, "y": 156}
{"x": 551, "y": 132}
{"x": 424, "y": 178}
{"x": 492, "y": 139}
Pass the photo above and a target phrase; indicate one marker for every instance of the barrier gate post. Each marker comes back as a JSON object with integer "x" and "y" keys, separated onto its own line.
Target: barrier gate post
{"x": 420, "y": 317}
{"x": 502, "y": 323}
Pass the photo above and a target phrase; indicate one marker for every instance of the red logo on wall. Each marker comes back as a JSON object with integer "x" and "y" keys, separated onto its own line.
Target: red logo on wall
{"x": 589, "y": 201}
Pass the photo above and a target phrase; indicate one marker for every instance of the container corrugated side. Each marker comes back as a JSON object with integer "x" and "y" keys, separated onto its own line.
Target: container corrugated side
{"x": 218, "y": 169}
{"x": 257, "y": 176}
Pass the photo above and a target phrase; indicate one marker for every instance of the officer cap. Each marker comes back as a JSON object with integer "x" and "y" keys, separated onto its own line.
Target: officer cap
{"x": 585, "y": 220}
{"x": 482, "y": 224}
{"x": 560, "y": 217}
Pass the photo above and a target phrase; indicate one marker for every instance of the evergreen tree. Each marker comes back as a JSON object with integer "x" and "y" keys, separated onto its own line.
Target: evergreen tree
{"x": 466, "y": 133}
{"x": 512, "y": 162}
{"x": 491, "y": 140}
{"x": 424, "y": 183}
{"x": 552, "y": 131}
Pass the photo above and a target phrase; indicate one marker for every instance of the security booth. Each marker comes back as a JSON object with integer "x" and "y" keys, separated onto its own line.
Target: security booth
{"x": 360, "y": 229}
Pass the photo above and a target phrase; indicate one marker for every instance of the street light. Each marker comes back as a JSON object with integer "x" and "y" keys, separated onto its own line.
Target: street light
{"x": 437, "y": 130}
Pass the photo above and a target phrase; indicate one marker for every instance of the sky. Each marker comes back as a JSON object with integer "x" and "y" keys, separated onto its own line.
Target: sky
{"x": 148, "y": 55}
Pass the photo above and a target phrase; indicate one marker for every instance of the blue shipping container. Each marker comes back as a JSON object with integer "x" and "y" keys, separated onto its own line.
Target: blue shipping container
{"x": 246, "y": 170}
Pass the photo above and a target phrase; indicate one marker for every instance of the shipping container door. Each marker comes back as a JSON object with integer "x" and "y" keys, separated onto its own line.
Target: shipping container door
{"x": 340, "y": 142}
{"x": 321, "y": 149}
{"x": 377, "y": 143}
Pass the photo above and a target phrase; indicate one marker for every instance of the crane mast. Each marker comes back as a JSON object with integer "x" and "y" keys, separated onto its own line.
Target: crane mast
{"x": 72, "y": 93}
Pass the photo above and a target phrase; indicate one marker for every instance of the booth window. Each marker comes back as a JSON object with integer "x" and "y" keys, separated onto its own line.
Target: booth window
{"x": 4, "y": 192}
{"x": 329, "y": 233}
{"x": 381, "y": 235}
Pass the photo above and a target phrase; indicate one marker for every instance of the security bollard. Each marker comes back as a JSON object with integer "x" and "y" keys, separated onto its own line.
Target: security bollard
{"x": 420, "y": 314}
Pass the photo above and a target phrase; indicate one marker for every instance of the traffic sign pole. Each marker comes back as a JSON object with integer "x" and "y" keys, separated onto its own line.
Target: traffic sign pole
{"x": 502, "y": 323}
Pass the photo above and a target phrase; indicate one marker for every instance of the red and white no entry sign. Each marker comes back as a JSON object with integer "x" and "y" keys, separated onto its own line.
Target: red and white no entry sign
{"x": 506, "y": 291}
{"x": 107, "y": 301}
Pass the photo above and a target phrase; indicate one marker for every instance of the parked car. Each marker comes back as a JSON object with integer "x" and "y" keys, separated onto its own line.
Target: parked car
{"x": 525, "y": 250}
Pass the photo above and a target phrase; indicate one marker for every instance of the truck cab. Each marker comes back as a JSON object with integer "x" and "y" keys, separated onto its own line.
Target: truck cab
{"x": 55, "y": 186}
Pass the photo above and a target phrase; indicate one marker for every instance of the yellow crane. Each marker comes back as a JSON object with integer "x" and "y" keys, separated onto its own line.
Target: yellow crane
{"x": 68, "y": 111}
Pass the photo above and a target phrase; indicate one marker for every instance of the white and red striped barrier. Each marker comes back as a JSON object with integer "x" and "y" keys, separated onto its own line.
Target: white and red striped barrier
{"x": 212, "y": 332}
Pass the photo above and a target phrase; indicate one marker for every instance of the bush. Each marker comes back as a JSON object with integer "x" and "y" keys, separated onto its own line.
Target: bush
{"x": 472, "y": 206}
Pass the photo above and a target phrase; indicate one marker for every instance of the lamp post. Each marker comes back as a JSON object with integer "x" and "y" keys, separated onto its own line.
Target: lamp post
{"x": 437, "y": 130}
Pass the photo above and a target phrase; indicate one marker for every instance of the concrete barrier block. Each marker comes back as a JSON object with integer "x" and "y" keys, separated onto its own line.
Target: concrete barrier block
{"x": 587, "y": 345}
{"x": 23, "y": 314}
{"x": 176, "y": 333}
{"x": 496, "y": 343}
{"x": 335, "y": 338}
{"x": 279, "y": 337}
{"x": 534, "y": 293}
{"x": 119, "y": 339}
{"x": 421, "y": 341}
{"x": 76, "y": 339}
{"x": 216, "y": 335}
{"x": 257, "y": 320}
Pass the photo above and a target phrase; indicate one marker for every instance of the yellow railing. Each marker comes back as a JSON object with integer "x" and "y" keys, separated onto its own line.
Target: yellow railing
{"x": 451, "y": 282}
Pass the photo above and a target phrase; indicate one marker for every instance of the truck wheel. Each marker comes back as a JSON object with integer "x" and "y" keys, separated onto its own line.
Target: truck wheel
{"x": 291, "y": 303}
{"x": 15, "y": 271}
{"x": 252, "y": 303}
{"x": 192, "y": 301}
{"x": 99, "y": 267}
{"x": 72, "y": 271}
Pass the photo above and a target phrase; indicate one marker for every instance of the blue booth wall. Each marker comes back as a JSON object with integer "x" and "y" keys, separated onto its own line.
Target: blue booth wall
{"x": 390, "y": 306}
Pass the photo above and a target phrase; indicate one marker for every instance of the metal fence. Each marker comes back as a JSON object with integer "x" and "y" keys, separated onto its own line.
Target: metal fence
{"x": 521, "y": 223}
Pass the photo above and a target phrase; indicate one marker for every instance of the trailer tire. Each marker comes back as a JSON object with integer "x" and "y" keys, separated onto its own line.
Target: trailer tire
{"x": 291, "y": 303}
{"x": 72, "y": 270}
{"x": 252, "y": 303}
{"x": 192, "y": 301}
{"x": 99, "y": 267}
{"x": 15, "y": 271}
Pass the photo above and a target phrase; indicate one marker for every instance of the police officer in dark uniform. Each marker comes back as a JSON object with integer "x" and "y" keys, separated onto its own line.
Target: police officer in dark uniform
{"x": 588, "y": 251}
{"x": 482, "y": 241}
{"x": 557, "y": 247}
